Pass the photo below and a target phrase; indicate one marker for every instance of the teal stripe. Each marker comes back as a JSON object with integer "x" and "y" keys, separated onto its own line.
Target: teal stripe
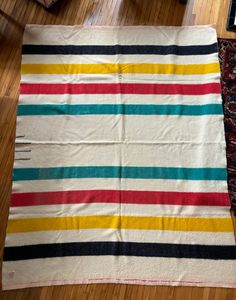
{"x": 120, "y": 172}
{"x": 117, "y": 109}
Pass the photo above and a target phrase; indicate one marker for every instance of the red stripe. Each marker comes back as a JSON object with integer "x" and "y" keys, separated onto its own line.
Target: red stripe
{"x": 121, "y": 88}
{"x": 117, "y": 196}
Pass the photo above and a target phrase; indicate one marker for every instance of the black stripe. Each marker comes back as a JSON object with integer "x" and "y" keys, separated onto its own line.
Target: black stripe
{"x": 119, "y": 49}
{"x": 119, "y": 248}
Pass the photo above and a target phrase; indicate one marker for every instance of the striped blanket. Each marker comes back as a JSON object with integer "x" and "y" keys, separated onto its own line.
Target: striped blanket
{"x": 120, "y": 166}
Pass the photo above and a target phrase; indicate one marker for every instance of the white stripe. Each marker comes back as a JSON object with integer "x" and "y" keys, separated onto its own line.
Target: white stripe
{"x": 121, "y": 128}
{"x": 96, "y": 235}
{"x": 168, "y": 78}
{"x": 121, "y": 59}
{"x": 120, "y": 99}
{"x": 173, "y": 129}
{"x": 117, "y": 209}
{"x": 105, "y": 78}
{"x": 153, "y": 155}
{"x": 88, "y": 269}
{"x": 70, "y": 78}
{"x": 125, "y": 35}
{"x": 114, "y": 184}
{"x": 69, "y": 128}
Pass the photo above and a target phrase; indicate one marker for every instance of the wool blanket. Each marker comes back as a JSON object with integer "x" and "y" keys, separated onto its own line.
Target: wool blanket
{"x": 120, "y": 166}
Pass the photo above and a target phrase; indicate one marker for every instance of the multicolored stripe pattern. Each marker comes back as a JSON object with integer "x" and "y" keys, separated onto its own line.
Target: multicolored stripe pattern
{"x": 120, "y": 166}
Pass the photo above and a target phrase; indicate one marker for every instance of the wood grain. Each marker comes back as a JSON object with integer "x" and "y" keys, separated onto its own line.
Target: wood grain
{"x": 14, "y": 14}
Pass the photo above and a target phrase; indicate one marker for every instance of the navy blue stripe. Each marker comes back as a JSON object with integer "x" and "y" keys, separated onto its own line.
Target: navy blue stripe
{"x": 119, "y": 49}
{"x": 128, "y": 109}
{"x": 120, "y": 172}
{"x": 119, "y": 248}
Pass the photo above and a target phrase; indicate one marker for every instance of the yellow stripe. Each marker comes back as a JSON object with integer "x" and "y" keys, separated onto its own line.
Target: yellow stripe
{"x": 124, "y": 222}
{"x": 119, "y": 68}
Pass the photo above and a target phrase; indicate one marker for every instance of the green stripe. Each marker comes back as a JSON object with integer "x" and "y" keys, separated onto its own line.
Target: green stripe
{"x": 120, "y": 172}
{"x": 117, "y": 109}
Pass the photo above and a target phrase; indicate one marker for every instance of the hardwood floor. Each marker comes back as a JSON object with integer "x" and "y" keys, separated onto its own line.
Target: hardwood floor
{"x": 14, "y": 14}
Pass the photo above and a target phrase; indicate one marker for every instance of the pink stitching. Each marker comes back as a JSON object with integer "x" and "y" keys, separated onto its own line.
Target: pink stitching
{"x": 126, "y": 26}
{"x": 85, "y": 281}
